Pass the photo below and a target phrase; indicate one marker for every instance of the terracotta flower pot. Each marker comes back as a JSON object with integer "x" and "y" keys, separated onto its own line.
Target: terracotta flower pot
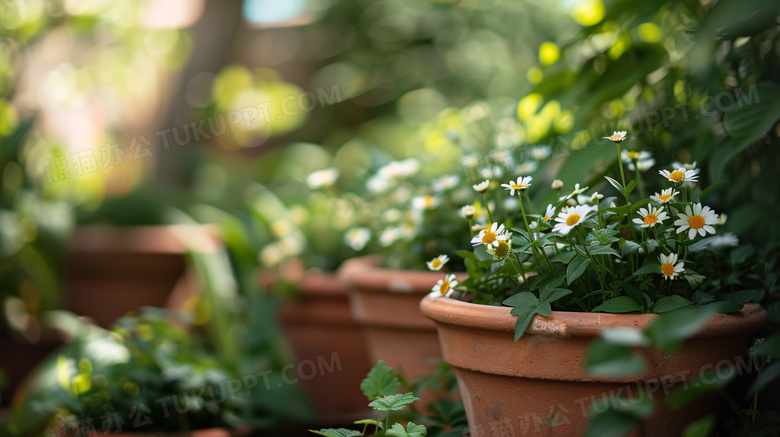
{"x": 110, "y": 271}
{"x": 323, "y": 333}
{"x": 525, "y": 386}
{"x": 386, "y": 302}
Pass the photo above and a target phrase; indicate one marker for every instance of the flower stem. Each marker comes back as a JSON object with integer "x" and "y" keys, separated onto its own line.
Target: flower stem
{"x": 620, "y": 164}
{"x": 593, "y": 262}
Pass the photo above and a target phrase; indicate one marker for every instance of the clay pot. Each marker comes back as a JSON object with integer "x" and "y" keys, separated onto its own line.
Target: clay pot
{"x": 386, "y": 302}
{"x": 324, "y": 336}
{"x": 539, "y": 384}
{"x": 110, "y": 271}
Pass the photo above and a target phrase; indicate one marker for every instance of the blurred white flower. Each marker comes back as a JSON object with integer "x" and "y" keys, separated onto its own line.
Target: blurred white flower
{"x": 445, "y": 183}
{"x": 357, "y": 238}
{"x": 557, "y": 184}
{"x": 322, "y": 178}
{"x": 425, "y": 202}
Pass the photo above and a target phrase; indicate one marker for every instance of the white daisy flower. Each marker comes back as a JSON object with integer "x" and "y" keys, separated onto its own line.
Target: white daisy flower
{"x": 577, "y": 190}
{"x": 527, "y": 167}
{"x": 666, "y": 195}
{"x": 522, "y": 184}
{"x": 357, "y": 238}
{"x": 444, "y": 287}
{"x": 557, "y": 184}
{"x": 468, "y": 211}
{"x": 425, "y": 202}
{"x": 651, "y": 217}
{"x": 322, "y": 178}
{"x": 490, "y": 236}
{"x": 482, "y": 186}
{"x": 699, "y": 220}
{"x": 617, "y": 136}
{"x": 378, "y": 184}
{"x": 680, "y": 175}
{"x": 399, "y": 169}
{"x": 643, "y": 160}
{"x": 548, "y": 213}
{"x": 541, "y": 152}
{"x": 571, "y": 217}
{"x": 678, "y": 164}
{"x": 445, "y": 183}
{"x": 669, "y": 269}
{"x": 390, "y": 236}
{"x": 501, "y": 250}
{"x": 437, "y": 263}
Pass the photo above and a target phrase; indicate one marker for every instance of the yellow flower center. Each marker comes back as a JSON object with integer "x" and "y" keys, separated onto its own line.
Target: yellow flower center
{"x": 667, "y": 269}
{"x": 502, "y": 250}
{"x": 677, "y": 176}
{"x": 429, "y": 201}
{"x": 696, "y": 222}
{"x": 445, "y": 287}
{"x": 489, "y": 237}
{"x": 546, "y": 218}
{"x": 664, "y": 197}
{"x": 650, "y": 219}
{"x": 633, "y": 155}
{"x": 572, "y": 220}
{"x": 436, "y": 263}
{"x": 519, "y": 186}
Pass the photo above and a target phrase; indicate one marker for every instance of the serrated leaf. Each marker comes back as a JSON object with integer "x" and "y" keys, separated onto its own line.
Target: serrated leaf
{"x": 411, "y": 430}
{"x": 576, "y": 268}
{"x": 524, "y": 305}
{"x": 693, "y": 278}
{"x": 381, "y": 381}
{"x": 612, "y": 360}
{"x": 394, "y": 402}
{"x": 670, "y": 303}
{"x": 620, "y": 304}
{"x": 337, "y": 432}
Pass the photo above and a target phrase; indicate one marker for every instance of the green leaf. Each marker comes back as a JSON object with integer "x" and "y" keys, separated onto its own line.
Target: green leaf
{"x": 709, "y": 189}
{"x": 767, "y": 376}
{"x": 394, "y": 402}
{"x": 638, "y": 204}
{"x": 670, "y": 303}
{"x": 620, "y": 304}
{"x": 770, "y": 347}
{"x": 694, "y": 279}
{"x": 648, "y": 269}
{"x": 381, "y": 381}
{"x": 625, "y": 337}
{"x": 670, "y": 329}
{"x": 524, "y": 305}
{"x": 629, "y": 247}
{"x": 576, "y": 268}
{"x": 686, "y": 392}
{"x": 467, "y": 254}
{"x": 563, "y": 257}
{"x": 411, "y": 430}
{"x": 604, "y": 251}
{"x": 611, "y": 423}
{"x": 723, "y": 306}
{"x": 631, "y": 185}
{"x": 747, "y": 123}
{"x": 369, "y": 422}
{"x": 550, "y": 296}
{"x": 337, "y": 432}
{"x": 615, "y": 184}
{"x": 612, "y": 360}
{"x": 700, "y": 428}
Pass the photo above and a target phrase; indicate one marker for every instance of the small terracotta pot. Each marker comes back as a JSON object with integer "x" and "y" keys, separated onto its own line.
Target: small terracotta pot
{"x": 110, "y": 271}
{"x": 386, "y": 302}
{"x": 525, "y": 386}
{"x": 322, "y": 331}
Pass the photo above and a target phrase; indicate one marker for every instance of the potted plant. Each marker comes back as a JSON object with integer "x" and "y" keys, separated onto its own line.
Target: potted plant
{"x": 147, "y": 375}
{"x": 557, "y": 272}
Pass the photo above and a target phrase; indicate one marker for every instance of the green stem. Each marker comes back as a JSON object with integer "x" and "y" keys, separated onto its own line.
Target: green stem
{"x": 593, "y": 261}
{"x": 487, "y": 208}
{"x": 620, "y": 164}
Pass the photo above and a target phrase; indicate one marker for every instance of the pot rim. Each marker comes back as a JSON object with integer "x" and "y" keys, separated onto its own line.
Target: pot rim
{"x": 450, "y": 311}
{"x": 363, "y": 273}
